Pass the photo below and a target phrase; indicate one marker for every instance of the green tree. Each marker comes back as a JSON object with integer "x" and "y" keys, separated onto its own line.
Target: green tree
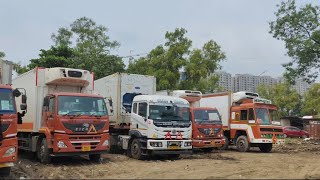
{"x": 282, "y": 95}
{"x": 2, "y": 54}
{"x": 83, "y": 45}
{"x": 311, "y": 105}
{"x": 299, "y": 28}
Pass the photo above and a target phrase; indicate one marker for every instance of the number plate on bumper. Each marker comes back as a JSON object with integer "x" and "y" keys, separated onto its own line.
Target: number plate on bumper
{"x": 86, "y": 148}
{"x": 174, "y": 145}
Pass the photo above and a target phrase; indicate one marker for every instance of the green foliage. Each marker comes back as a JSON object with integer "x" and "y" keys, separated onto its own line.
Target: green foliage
{"x": 19, "y": 68}
{"x": 311, "y": 105}
{"x": 282, "y": 95}
{"x": 299, "y": 29}
{"x": 2, "y": 54}
{"x": 85, "y": 45}
{"x": 164, "y": 62}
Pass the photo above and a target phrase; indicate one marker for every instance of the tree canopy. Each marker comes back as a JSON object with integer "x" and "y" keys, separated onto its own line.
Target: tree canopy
{"x": 311, "y": 105}
{"x": 165, "y": 61}
{"x": 2, "y": 54}
{"x": 299, "y": 28}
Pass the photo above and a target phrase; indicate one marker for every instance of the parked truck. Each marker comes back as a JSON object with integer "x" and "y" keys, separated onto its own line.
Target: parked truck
{"x": 246, "y": 119}
{"x": 9, "y": 116}
{"x": 143, "y": 124}
{"x": 64, "y": 116}
{"x": 207, "y": 132}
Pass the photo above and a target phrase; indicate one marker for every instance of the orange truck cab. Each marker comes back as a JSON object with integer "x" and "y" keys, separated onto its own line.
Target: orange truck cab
{"x": 207, "y": 132}
{"x": 9, "y": 116}
{"x": 246, "y": 120}
{"x": 64, "y": 116}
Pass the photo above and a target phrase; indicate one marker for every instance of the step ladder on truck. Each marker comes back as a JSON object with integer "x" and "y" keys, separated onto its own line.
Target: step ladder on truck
{"x": 207, "y": 132}
{"x": 246, "y": 119}
{"x": 9, "y": 117}
{"x": 65, "y": 117}
{"x": 142, "y": 123}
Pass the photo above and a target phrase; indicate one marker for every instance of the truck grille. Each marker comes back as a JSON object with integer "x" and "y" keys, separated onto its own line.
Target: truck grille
{"x": 210, "y": 131}
{"x": 82, "y": 127}
{"x": 270, "y": 130}
{"x": 77, "y": 141}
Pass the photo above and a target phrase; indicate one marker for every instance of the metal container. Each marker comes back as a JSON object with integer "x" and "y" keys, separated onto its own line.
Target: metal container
{"x": 314, "y": 130}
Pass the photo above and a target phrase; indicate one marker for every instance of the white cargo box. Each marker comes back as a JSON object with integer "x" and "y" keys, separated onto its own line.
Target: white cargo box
{"x": 40, "y": 82}
{"x": 121, "y": 88}
{"x": 221, "y": 101}
{"x": 5, "y": 71}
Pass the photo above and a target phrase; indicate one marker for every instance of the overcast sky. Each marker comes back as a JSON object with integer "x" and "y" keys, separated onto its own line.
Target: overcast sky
{"x": 240, "y": 26}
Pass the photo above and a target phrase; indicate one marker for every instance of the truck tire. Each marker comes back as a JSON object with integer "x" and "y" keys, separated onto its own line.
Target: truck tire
{"x": 95, "y": 157}
{"x": 207, "y": 150}
{"x": 265, "y": 147}
{"x": 136, "y": 151}
{"x": 43, "y": 152}
{"x": 243, "y": 144}
{"x": 226, "y": 145}
{"x": 5, "y": 171}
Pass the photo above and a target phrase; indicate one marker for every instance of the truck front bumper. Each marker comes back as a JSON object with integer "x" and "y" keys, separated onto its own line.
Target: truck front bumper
{"x": 207, "y": 143}
{"x": 80, "y": 144}
{"x": 277, "y": 141}
{"x": 169, "y": 145}
{"x": 8, "y": 152}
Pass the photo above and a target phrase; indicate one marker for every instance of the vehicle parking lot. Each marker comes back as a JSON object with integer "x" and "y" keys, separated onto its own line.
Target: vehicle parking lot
{"x": 295, "y": 159}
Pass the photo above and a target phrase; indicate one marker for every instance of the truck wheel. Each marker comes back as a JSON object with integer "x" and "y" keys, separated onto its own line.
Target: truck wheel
{"x": 43, "y": 152}
{"x": 243, "y": 144}
{"x": 207, "y": 150}
{"x": 5, "y": 171}
{"x": 226, "y": 145}
{"x": 95, "y": 157}
{"x": 265, "y": 147}
{"x": 136, "y": 149}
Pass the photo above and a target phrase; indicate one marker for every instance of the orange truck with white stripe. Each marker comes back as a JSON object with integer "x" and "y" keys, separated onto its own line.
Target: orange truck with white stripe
{"x": 246, "y": 120}
{"x": 64, "y": 116}
{"x": 8, "y": 118}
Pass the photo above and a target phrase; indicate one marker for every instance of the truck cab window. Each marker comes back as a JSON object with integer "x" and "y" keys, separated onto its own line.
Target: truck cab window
{"x": 143, "y": 109}
{"x": 244, "y": 115}
{"x": 134, "y": 110}
{"x": 51, "y": 105}
{"x": 251, "y": 114}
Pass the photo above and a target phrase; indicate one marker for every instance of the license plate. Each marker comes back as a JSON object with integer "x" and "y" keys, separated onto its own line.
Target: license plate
{"x": 86, "y": 148}
{"x": 212, "y": 142}
{"x": 173, "y": 147}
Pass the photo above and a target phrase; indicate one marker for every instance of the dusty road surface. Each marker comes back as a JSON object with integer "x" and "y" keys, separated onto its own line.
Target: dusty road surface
{"x": 293, "y": 160}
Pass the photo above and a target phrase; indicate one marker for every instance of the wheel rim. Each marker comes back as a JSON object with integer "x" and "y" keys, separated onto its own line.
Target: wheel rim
{"x": 135, "y": 148}
{"x": 241, "y": 144}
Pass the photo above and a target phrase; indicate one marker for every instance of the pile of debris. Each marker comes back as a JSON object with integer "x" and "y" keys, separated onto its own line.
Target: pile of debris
{"x": 298, "y": 145}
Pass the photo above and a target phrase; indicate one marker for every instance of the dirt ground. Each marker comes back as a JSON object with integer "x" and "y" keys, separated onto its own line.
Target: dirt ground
{"x": 295, "y": 159}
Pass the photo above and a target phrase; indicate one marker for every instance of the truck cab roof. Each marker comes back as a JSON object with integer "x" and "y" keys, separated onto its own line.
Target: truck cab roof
{"x": 76, "y": 94}
{"x": 160, "y": 99}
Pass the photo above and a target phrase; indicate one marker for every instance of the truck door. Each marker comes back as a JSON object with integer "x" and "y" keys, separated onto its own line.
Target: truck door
{"x": 49, "y": 112}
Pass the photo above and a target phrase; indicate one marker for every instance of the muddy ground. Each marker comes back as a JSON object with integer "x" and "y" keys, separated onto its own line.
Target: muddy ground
{"x": 295, "y": 159}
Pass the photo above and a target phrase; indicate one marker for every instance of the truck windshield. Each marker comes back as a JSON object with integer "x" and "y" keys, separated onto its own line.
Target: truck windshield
{"x": 169, "y": 113}
{"x": 6, "y": 102}
{"x": 207, "y": 116}
{"x": 262, "y": 116}
{"x": 81, "y": 105}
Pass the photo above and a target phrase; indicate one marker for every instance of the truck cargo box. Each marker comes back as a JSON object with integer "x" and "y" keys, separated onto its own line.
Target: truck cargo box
{"x": 5, "y": 71}
{"x": 122, "y": 88}
{"x": 40, "y": 82}
{"x": 221, "y": 101}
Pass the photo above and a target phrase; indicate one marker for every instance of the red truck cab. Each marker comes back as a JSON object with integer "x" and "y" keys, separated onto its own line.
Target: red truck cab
{"x": 207, "y": 131}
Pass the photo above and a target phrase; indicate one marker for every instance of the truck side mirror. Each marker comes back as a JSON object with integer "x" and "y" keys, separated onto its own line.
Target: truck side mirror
{"x": 16, "y": 93}
{"x": 110, "y": 102}
{"x": 24, "y": 99}
{"x": 23, "y": 106}
{"x": 46, "y": 101}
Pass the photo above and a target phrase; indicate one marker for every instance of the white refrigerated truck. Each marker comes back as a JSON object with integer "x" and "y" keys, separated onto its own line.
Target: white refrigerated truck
{"x": 143, "y": 123}
{"x": 64, "y": 117}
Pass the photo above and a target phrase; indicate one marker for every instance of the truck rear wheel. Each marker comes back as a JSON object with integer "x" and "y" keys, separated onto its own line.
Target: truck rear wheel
{"x": 5, "y": 171}
{"x": 265, "y": 147}
{"x": 136, "y": 151}
{"x": 243, "y": 144}
{"x": 95, "y": 157}
{"x": 43, "y": 152}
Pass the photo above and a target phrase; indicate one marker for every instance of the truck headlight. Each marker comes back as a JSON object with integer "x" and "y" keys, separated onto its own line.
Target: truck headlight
{"x": 10, "y": 151}
{"x": 186, "y": 144}
{"x": 105, "y": 143}
{"x": 61, "y": 144}
{"x": 156, "y": 144}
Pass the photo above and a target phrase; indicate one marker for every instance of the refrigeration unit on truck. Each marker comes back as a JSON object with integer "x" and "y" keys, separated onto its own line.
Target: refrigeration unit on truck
{"x": 64, "y": 116}
{"x": 207, "y": 132}
{"x": 246, "y": 119}
{"x": 142, "y": 123}
{"x": 9, "y": 116}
